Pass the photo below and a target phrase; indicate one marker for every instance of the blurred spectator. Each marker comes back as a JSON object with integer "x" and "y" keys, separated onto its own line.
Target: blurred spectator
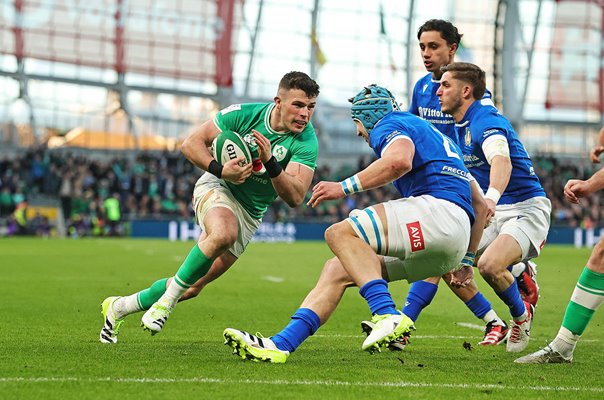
{"x": 114, "y": 214}
{"x": 40, "y": 225}
{"x": 6, "y": 201}
{"x": 66, "y": 193}
{"x": 19, "y": 218}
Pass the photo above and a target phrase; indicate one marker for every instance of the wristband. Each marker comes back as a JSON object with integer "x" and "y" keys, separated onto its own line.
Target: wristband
{"x": 215, "y": 169}
{"x": 273, "y": 167}
{"x": 351, "y": 185}
{"x": 493, "y": 194}
{"x": 468, "y": 260}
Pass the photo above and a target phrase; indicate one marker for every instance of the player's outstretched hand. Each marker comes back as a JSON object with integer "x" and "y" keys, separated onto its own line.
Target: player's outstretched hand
{"x": 235, "y": 173}
{"x": 264, "y": 146}
{"x": 464, "y": 273}
{"x": 325, "y": 190}
{"x": 462, "y": 276}
{"x": 575, "y": 189}
{"x": 594, "y": 154}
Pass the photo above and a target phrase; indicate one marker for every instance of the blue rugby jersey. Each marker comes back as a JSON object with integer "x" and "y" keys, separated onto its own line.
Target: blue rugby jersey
{"x": 424, "y": 104}
{"x": 483, "y": 121}
{"x": 437, "y": 168}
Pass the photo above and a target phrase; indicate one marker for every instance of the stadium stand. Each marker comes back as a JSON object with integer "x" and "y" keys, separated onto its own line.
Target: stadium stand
{"x": 43, "y": 189}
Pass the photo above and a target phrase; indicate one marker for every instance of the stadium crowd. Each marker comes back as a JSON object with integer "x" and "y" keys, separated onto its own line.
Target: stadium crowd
{"x": 96, "y": 194}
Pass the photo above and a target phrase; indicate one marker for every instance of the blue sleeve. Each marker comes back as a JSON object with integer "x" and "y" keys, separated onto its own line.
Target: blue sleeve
{"x": 385, "y": 133}
{"x": 413, "y": 109}
{"x": 485, "y": 129}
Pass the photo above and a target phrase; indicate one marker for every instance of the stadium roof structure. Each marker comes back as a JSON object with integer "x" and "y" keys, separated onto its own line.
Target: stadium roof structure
{"x": 174, "y": 64}
{"x": 101, "y": 140}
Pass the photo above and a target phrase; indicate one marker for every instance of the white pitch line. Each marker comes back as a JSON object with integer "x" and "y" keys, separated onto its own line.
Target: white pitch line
{"x": 413, "y": 336}
{"x": 481, "y": 328}
{"x": 471, "y": 326}
{"x": 335, "y": 335}
{"x": 275, "y": 279}
{"x": 305, "y": 383}
{"x": 462, "y": 324}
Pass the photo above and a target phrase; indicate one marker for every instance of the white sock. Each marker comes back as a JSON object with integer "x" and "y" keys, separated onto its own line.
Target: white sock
{"x": 492, "y": 316}
{"x": 173, "y": 293}
{"x": 565, "y": 342}
{"x": 522, "y": 317}
{"x": 126, "y": 305}
{"x": 517, "y": 269}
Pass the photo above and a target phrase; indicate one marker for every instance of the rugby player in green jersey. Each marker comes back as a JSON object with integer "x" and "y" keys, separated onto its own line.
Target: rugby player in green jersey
{"x": 229, "y": 201}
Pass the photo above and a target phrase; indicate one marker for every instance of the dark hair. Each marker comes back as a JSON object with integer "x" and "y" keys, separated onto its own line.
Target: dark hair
{"x": 447, "y": 30}
{"x": 469, "y": 73}
{"x": 299, "y": 80}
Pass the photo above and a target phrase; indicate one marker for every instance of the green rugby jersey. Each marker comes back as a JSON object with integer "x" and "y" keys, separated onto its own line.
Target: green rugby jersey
{"x": 257, "y": 192}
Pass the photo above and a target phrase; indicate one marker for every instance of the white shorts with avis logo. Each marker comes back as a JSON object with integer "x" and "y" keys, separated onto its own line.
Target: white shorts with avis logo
{"x": 425, "y": 236}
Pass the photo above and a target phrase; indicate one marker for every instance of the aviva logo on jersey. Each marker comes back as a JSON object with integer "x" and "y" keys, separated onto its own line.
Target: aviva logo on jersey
{"x": 468, "y": 137}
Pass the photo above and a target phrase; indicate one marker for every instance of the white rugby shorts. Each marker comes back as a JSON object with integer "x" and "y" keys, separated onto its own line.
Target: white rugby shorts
{"x": 527, "y": 222}
{"x": 425, "y": 236}
{"x": 209, "y": 193}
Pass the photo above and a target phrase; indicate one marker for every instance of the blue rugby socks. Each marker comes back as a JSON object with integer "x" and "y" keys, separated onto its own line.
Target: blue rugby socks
{"x": 419, "y": 297}
{"x": 511, "y": 297}
{"x": 378, "y": 297}
{"x": 304, "y": 323}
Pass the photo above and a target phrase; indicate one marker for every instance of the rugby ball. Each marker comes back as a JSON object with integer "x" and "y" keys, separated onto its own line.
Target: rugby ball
{"x": 229, "y": 145}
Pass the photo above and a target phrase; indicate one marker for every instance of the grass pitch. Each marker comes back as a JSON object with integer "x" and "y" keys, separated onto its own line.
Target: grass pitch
{"x": 52, "y": 290}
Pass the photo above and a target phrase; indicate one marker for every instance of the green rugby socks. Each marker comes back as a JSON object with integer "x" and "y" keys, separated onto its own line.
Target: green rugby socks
{"x": 585, "y": 300}
{"x": 147, "y": 297}
{"x": 194, "y": 267}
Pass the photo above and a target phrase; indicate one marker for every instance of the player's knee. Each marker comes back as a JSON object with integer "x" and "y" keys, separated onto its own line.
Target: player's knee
{"x": 334, "y": 232}
{"x": 222, "y": 240}
{"x": 488, "y": 267}
{"x": 331, "y": 265}
{"x": 596, "y": 260}
{"x": 335, "y": 272}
